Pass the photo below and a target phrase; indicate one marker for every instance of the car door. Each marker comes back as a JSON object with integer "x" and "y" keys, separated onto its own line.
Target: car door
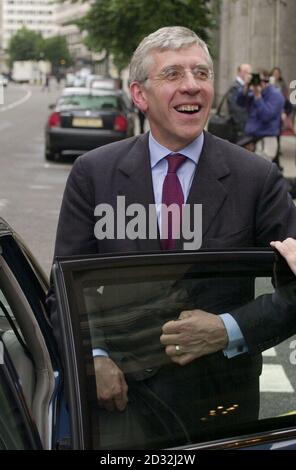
{"x": 17, "y": 429}
{"x": 30, "y": 366}
{"x": 116, "y": 306}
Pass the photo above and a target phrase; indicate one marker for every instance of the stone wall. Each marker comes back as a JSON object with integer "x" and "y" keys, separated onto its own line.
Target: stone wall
{"x": 260, "y": 32}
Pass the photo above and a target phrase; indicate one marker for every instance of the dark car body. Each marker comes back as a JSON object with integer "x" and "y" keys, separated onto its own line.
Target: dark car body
{"x": 86, "y": 118}
{"x": 129, "y": 287}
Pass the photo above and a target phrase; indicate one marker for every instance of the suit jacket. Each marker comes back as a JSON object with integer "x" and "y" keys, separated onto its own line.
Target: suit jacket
{"x": 245, "y": 204}
{"x": 239, "y": 114}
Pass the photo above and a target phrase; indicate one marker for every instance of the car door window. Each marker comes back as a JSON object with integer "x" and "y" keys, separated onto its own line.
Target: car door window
{"x": 13, "y": 433}
{"x": 31, "y": 369}
{"x": 17, "y": 370}
{"x": 118, "y": 306}
{"x": 90, "y": 102}
{"x": 17, "y": 348}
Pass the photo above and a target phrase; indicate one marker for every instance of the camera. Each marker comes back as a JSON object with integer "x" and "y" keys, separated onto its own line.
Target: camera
{"x": 255, "y": 80}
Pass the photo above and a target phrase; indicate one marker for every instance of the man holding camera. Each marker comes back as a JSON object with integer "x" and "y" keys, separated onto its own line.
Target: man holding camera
{"x": 264, "y": 104}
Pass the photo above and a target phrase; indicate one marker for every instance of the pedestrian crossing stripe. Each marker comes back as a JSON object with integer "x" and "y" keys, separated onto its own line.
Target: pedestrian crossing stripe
{"x": 271, "y": 352}
{"x": 274, "y": 379}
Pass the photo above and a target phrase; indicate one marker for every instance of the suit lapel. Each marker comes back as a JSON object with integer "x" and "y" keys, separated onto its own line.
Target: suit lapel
{"x": 135, "y": 182}
{"x": 207, "y": 188}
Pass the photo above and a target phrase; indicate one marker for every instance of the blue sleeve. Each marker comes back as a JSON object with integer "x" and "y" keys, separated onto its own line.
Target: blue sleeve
{"x": 236, "y": 342}
{"x": 269, "y": 109}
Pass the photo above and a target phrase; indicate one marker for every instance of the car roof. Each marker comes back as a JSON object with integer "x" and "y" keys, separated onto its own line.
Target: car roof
{"x": 89, "y": 91}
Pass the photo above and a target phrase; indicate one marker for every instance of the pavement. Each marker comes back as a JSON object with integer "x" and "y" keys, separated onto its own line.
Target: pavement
{"x": 288, "y": 153}
{"x": 287, "y": 158}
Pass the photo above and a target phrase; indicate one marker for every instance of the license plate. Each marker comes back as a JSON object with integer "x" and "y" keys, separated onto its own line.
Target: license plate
{"x": 85, "y": 122}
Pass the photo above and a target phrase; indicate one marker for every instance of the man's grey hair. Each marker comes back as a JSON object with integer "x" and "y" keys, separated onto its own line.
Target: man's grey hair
{"x": 167, "y": 38}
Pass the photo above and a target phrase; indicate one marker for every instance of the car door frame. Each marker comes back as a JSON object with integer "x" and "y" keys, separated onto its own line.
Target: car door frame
{"x": 23, "y": 271}
{"x": 11, "y": 379}
{"x": 63, "y": 270}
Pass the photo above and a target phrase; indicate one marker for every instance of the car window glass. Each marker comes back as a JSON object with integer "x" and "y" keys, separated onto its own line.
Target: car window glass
{"x": 121, "y": 311}
{"x": 5, "y": 305}
{"x": 17, "y": 349}
{"x": 97, "y": 103}
{"x": 7, "y": 318}
{"x": 12, "y": 429}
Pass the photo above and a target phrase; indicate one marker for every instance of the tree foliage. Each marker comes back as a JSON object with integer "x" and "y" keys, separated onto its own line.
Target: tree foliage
{"x": 25, "y": 45}
{"x": 29, "y": 45}
{"x": 56, "y": 51}
{"x": 119, "y": 25}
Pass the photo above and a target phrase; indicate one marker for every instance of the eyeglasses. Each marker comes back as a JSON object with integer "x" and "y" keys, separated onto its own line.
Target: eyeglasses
{"x": 176, "y": 74}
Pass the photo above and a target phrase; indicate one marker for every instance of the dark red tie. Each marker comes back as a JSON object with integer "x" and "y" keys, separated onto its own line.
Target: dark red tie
{"x": 172, "y": 194}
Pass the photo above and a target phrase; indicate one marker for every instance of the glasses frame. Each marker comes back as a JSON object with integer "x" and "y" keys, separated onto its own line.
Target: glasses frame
{"x": 180, "y": 73}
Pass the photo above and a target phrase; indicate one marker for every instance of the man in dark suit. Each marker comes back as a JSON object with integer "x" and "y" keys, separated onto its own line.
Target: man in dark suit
{"x": 245, "y": 203}
{"x": 238, "y": 114}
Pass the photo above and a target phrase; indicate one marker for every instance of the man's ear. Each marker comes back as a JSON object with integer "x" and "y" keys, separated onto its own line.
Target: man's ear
{"x": 139, "y": 97}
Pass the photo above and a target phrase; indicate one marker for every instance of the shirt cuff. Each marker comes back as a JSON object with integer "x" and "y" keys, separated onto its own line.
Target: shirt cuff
{"x": 99, "y": 352}
{"x": 236, "y": 342}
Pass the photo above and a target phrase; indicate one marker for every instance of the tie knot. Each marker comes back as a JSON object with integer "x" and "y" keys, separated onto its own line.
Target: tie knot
{"x": 174, "y": 162}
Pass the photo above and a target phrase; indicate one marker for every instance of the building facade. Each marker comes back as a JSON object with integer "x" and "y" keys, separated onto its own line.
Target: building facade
{"x": 65, "y": 16}
{"x": 37, "y": 15}
{"x": 259, "y": 32}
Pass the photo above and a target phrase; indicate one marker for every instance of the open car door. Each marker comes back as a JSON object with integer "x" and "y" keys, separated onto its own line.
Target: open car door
{"x": 114, "y": 307}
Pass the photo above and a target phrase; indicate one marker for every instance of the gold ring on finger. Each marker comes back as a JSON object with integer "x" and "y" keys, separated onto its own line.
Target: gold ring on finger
{"x": 178, "y": 349}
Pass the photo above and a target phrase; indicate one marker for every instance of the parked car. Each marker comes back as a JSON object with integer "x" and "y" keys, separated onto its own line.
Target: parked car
{"x": 103, "y": 83}
{"x": 85, "y": 118}
{"x": 98, "y": 295}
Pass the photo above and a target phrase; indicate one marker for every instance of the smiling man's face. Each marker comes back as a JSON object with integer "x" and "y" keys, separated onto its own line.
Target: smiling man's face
{"x": 177, "y": 110}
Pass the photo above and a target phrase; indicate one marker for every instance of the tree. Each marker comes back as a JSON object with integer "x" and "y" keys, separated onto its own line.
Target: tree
{"x": 119, "y": 25}
{"x": 29, "y": 45}
{"x": 56, "y": 52}
{"x": 25, "y": 45}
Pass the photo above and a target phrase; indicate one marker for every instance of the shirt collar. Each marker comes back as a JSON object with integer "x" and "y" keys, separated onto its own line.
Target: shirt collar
{"x": 191, "y": 151}
{"x": 240, "y": 80}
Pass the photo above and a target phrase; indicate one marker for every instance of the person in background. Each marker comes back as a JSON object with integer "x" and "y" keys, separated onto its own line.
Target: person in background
{"x": 265, "y": 105}
{"x": 238, "y": 114}
{"x": 46, "y": 82}
{"x": 58, "y": 79}
{"x": 277, "y": 80}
